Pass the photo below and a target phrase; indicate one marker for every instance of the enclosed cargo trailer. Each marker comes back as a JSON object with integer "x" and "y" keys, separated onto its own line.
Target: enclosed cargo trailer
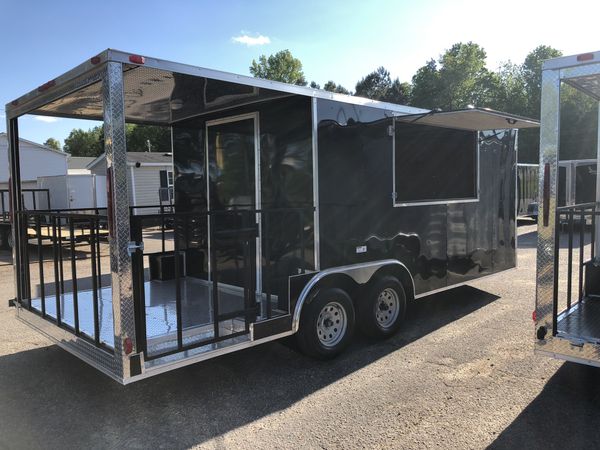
{"x": 527, "y": 190}
{"x": 294, "y": 211}
{"x": 566, "y": 316}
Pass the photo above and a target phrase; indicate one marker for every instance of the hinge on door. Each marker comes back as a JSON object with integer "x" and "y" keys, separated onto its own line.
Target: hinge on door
{"x": 390, "y": 130}
{"x": 133, "y": 246}
{"x": 394, "y": 196}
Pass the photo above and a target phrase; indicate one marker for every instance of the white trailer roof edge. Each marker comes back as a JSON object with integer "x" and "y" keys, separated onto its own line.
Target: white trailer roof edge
{"x": 563, "y": 62}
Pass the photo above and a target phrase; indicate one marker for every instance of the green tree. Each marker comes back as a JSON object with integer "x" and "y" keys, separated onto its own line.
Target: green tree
{"x": 52, "y": 143}
{"x": 425, "y": 86}
{"x": 532, "y": 77}
{"x": 459, "y": 78}
{"x": 85, "y": 143}
{"x": 140, "y": 138}
{"x": 523, "y": 89}
{"x": 143, "y": 138}
{"x": 378, "y": 85}
{"x": 282, "y": 66}
{"x": 331, "y": 86}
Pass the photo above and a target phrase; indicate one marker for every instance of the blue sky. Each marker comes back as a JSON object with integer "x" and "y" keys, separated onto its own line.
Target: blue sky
{"x": 342, "y": 41}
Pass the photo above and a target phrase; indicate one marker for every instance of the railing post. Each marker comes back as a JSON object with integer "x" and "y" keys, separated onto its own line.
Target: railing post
{"x": 214, "y": 275}
{"x": 74, "y": 275}
{"x": 40, "y": 252}
{"x": 570, "y": 259}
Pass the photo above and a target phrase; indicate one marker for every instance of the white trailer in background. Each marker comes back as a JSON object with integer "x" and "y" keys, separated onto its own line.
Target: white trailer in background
{"x": 567, "y": 308}
{"x": 75, "y": 191}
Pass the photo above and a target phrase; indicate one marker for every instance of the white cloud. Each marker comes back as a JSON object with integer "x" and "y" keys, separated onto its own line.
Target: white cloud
{"x": 46, "y": 119}
{"x": 250, "y": 40}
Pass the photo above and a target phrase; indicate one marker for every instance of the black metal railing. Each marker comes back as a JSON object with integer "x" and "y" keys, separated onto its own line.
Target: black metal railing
{"x": 211, "y": 238}
{"x": 31, "y": 199}
{"x": 61, "y": 234}
{"x": 576, "y": 225}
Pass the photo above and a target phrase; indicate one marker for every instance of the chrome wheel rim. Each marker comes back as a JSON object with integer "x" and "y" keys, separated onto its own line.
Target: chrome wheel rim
{"x": 331, "y": 324}
{"x": 387, "y": 308}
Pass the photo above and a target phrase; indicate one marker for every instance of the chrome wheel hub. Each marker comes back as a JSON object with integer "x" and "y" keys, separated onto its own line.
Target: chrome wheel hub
{"x": 331, "y": 324}
{"x": 387, "y": 307}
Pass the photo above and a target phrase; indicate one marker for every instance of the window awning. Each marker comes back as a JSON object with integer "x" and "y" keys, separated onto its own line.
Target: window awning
{"x": 473, "y": 119}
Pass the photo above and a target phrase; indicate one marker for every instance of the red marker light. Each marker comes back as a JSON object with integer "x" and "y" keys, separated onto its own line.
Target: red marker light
{"x": 95, "y": 60}
{"x": 585, "y": 57}
{"x": 137, "y": 59}
{"x": 46, "y": 86}
{"x": 128, "y": 346}
{"x": 534, "y": 316}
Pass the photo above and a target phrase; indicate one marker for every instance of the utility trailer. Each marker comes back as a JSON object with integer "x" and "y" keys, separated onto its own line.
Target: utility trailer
{"x": 567, "y": 308}
{"x": 32, "y": 199}
{"x": 295, "y": 211}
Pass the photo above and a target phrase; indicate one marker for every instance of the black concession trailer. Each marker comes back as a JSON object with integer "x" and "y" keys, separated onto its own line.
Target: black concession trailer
{"x": 295, "y": 211}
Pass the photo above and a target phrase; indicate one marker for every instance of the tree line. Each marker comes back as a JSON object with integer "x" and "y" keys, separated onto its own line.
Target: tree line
{"x": 140, "y": 138}
{"x": 457, "y": 79}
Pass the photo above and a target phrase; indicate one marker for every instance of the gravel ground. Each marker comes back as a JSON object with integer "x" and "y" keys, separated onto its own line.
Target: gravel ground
{"x": 461, "y": 375}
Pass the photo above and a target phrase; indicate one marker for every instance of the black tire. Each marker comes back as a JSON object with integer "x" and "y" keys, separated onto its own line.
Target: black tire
{"x": 315, "y": 320}
{"x": 376, "y": 317}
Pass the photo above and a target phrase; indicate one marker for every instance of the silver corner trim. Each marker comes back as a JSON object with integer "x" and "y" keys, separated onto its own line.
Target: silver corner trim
{"x": 549, "y": 155}
{"x": 315, "y": 169}
{"x": 360, "y": 278}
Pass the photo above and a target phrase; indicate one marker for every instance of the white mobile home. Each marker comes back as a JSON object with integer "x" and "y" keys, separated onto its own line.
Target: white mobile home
{"x": 147, "y": 173}
{"x": 37, "y": 160}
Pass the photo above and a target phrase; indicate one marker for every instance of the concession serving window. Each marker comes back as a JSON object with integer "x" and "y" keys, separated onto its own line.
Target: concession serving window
{"x": 436, "y": 158}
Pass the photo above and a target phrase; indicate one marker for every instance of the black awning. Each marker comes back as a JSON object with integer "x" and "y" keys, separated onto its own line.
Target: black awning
{"x": 474, "y": 119}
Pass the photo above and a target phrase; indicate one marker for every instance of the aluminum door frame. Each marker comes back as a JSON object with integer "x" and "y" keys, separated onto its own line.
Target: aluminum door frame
{"x": 255, "y": 116}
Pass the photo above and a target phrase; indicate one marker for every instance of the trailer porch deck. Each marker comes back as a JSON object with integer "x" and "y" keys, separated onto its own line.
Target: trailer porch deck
{"x": 160, "y": 312}
{"x": 581, "y": 322}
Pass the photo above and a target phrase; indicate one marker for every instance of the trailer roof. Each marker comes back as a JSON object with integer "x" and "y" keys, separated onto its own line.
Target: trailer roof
{"x": 473, "y": 119}
{"x": 152, "y": 87}
{"x": 581, "y": 71}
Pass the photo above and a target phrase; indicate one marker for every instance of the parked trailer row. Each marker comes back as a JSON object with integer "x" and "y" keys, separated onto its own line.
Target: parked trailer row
{"x": 295, "y": 211}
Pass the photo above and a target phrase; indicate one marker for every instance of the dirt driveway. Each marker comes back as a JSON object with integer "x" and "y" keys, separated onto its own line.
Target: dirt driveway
{"x": 460, "y": 375}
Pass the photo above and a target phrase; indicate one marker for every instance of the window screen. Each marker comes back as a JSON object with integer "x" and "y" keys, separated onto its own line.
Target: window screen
{"x": 434, "y": 164}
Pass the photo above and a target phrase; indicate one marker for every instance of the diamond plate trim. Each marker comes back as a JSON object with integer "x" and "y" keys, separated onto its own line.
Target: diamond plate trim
{"x": 120, "y": 261}
{"x": 549, "y": 138}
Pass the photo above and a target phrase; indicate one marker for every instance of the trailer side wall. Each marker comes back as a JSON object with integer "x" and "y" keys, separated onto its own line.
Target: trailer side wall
{"x": 441, "y": 244}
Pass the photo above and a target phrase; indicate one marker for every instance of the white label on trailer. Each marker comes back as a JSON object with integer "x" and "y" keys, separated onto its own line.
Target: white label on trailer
{"x": 361, "y": 249}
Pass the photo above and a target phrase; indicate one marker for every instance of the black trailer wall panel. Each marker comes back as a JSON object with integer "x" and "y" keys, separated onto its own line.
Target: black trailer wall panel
{"x": 285, "y": 173}
{"x": 440, "y": 244}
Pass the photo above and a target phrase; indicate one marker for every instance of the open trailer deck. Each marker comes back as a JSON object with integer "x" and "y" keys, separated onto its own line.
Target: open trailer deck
{"x": 294, "y": 211}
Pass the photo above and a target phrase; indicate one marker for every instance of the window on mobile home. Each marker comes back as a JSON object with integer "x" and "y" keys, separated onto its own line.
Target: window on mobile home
{"x": 434, "y": 164}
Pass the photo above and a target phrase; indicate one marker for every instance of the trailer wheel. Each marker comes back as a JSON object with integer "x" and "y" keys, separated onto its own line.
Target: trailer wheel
{"x": 382, "y": 311}
{"x": 326, "y": 324}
